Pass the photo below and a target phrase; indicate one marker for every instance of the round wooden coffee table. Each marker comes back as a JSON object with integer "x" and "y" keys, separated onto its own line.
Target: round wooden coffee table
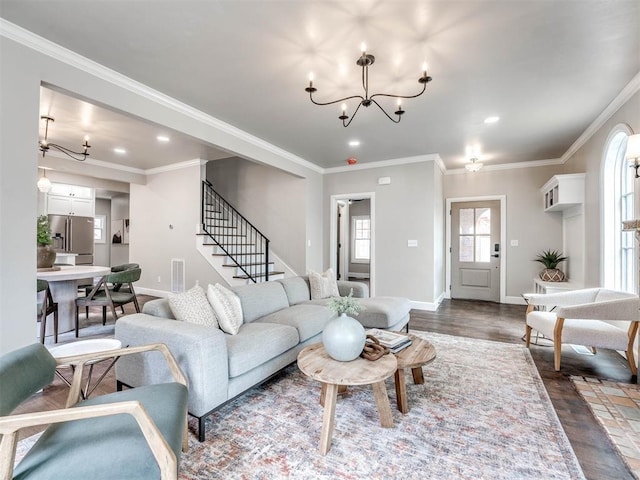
{"x": 316, "y": 363}
{"x": 419, "y": 353}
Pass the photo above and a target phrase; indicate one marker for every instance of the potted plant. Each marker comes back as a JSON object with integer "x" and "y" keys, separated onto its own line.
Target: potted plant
{"x": 344, "y": 337}
{"x": 550, "y": 259}
{"x": 46, "y": 253}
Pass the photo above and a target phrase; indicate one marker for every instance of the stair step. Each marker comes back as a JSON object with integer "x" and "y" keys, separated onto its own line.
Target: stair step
{"x": 260, "y": 275}
{"x": 235, "y": 254}
{"x": 246, "y": 265}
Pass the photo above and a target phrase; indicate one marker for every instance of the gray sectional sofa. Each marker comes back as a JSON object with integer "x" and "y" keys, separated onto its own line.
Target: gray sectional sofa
{"x": 279, "y": 320}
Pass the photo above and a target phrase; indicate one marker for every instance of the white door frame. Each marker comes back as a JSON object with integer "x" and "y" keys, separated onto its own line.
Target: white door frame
{"x": 503, "y": 241}
{"x": 333, "y": 247}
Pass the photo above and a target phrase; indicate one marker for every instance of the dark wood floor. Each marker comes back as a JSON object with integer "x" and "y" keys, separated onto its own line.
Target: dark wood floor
{"x": 504, "y": 323}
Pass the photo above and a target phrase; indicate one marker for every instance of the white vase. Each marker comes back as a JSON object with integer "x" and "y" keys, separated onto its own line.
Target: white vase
{"x": 343, "y": 338}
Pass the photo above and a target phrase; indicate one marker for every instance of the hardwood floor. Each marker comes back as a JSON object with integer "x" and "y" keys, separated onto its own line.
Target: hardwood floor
{"x": 505, "y": 323}
{"x": 484, "y": 320}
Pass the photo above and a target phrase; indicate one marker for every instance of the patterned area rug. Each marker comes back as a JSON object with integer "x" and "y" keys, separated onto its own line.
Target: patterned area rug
{"x": 616, "y": 406}
{"x": 483, "y": 412}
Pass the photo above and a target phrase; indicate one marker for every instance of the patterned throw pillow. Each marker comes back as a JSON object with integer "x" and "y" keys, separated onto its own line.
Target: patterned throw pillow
{"x": 227, "y": 307}
{"x": 323, "y": 285}
{"x": 192, "y": 306}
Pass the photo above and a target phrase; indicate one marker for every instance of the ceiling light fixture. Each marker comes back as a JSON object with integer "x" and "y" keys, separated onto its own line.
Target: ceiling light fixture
{"x": 354, "y": 143}
{"x": 44, "y": 184}
{"x": 633, "y": 151}
{"x": 474, "y": 165}
{"x": 162, "y": 138}
{"x": 45, "y": 145}
{"x": 120, "y": 151}
{"x": 365, "y": 61}
{"x": 491, "y": 119}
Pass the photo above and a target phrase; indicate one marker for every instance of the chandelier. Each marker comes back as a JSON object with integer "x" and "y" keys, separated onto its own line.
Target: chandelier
{"x": 365, "y": 61}
{"x": 45, "y": 145}
{"x": 474, "y": 165}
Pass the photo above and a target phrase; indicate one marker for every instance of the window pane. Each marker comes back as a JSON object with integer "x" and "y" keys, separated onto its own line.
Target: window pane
{"x": 483, "y": 248}
{"x": 483, "y": 220}
{"x": 466, "y": 248}
{"x": 466, "y": 221}
{"x": 362, "y": 250}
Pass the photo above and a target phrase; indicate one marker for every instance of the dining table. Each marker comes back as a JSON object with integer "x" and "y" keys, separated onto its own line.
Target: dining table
{"x": 63, "y": 283}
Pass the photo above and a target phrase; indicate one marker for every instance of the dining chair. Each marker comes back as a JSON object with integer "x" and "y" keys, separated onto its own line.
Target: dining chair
{"x": 105, "y": 295}
{"x": 45, "y": 308}
{"x": 116, "y": 287}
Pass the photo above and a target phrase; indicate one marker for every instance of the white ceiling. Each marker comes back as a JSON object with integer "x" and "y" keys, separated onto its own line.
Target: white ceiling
{"x": 548, "y": 69}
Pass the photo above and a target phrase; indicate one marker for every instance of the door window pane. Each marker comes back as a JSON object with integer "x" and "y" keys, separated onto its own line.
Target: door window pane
{"x": 483, "y": 248}
{"x": 466, "y": 221}
{"x": 466, "y": 248}
{"x": 483, "y": 221}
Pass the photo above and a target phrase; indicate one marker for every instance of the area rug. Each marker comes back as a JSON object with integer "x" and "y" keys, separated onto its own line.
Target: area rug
{"x": 483, "y": 412}
{"x": 616, "y": 406}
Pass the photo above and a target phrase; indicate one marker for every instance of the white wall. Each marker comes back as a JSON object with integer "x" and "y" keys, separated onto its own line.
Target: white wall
{"x": 119, "y": 253}
{"x": 271, "y": 199}
{"x": 165, "y": 214}
{"x": 102, "y": 251}
{"x": 526, "y": 221}
{"x": 404, "y": 210}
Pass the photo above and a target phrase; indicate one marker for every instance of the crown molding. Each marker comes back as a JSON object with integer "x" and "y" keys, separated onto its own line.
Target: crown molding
{"x": 625, "y": 94}
{"x": 62, "y": 54}
{"x": 431, "y": 157}
{"x": 508, "y": 166}
{"x": 174, "y": 166}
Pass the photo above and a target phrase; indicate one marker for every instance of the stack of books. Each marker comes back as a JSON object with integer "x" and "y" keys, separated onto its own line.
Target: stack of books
{"x": 394, "y": 341}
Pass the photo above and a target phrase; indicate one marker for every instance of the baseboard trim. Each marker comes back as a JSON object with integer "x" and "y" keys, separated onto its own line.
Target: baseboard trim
{"x": 514, "y": 300}
{"x": 358, "y": 275}
{"x": 429, "y": 306}
{"x": 152, "y": 291}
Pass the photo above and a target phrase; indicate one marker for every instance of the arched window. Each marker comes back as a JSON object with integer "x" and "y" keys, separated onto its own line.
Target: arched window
{"x": 618, "y": 247}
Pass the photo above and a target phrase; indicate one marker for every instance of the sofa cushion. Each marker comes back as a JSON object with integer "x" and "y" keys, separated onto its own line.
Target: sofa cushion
{"x": 377, "y": 312}
{"x": 308, "y": 319}
{"x": 158, "y": 308}
{"x": 260, "y": 299}
{"x": 323, "y": 285}
{"x": 227, "y": 308}
{"x": 121, "y": 450}
{"x": 192, "y": 306}
{"x": 297, "y": 289}
{"x": 257, "y": 343}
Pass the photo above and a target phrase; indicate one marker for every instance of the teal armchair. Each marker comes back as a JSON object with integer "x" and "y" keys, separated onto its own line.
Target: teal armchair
{"x": 133, "y": 434}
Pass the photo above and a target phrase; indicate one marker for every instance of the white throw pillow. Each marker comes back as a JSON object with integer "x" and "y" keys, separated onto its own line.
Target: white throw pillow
{"x": 323, "y": 285}
{"x": 227, "y": 307}
{"x": 192, "y": 306}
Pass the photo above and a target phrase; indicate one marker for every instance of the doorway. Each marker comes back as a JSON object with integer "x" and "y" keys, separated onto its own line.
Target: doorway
{"x": 352, "y": 245}
{"x": 475, "y": 238}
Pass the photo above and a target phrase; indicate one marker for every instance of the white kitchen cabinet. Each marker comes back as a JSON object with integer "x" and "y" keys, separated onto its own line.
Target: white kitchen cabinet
{"x": 75, "y": 200}
{"x": 563, "y": 191}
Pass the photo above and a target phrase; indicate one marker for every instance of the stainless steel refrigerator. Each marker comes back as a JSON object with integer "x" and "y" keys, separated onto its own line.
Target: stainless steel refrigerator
{"x": 71, "y": 234}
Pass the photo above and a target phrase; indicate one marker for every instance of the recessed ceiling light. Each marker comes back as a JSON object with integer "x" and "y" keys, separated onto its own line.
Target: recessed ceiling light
{"x": 162, "y": 138}
{"x": 491, "y": 119}
{"x": 354, "y": 143}
{"x": 120, "y": 151}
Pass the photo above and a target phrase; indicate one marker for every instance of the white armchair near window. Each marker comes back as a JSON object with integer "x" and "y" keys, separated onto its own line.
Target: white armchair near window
{"x": 581, "y": 317}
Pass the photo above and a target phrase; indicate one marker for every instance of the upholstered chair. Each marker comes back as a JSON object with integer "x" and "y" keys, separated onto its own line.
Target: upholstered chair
{"x": 593, "y": 317}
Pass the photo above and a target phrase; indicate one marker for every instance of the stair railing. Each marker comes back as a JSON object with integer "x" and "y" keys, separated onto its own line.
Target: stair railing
{"x": 243, "y": 243}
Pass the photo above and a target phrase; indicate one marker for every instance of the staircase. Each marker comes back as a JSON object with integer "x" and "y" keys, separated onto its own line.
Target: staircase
{"x": 238, "y": 250}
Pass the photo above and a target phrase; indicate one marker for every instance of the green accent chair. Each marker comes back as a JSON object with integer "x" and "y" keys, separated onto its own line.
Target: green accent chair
{"x": 45, "y": 308}
{"x": 133, "y": 434}
{"x": 105, "y": 295}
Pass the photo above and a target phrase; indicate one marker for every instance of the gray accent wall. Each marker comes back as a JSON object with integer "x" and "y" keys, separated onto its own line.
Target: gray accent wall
{"x": 273, "y": 200}
{"x": 404, "y": 210}
{"x": 526, "y": 221}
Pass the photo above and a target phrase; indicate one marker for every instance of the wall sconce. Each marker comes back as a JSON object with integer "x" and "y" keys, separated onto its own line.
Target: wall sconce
{"x": 633, "y": 152}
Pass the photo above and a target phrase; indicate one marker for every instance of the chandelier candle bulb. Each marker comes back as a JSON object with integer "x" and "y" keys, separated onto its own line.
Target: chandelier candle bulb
{"x": 363, "y": 48}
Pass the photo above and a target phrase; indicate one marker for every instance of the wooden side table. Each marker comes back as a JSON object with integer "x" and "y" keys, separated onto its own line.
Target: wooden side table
{"x": 419, "y": 353}
{"x": 316, "y": 363}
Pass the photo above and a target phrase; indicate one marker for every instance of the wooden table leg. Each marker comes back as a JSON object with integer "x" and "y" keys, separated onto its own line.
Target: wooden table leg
{"x": 323, "y": 393}
{"x": 331, "y": 396}
{"x": 401, "y": 391}
{"x": 418, "y": 377}
{"x": 382, "y": 402}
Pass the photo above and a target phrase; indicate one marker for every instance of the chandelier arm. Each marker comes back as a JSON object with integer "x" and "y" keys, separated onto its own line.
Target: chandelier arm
{"x": 70, "y": 153}
{"x": 365, "y": 80}
{"x": 384, "y": 111}
{"x": 335, "y": 101}
{"x": 352, "y": 116}
{"x": 424, "y": 87}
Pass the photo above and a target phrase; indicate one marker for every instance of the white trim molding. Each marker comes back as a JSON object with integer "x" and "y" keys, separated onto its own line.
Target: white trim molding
{"x": 432, "y": 157}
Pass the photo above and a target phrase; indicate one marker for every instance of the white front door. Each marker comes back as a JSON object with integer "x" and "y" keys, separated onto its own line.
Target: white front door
{"x": 475, "y": 250}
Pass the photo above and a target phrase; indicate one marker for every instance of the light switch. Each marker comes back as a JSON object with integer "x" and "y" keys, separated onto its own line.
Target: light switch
{"x": 514, "y": 243}
{"x": 412, "y": 243}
